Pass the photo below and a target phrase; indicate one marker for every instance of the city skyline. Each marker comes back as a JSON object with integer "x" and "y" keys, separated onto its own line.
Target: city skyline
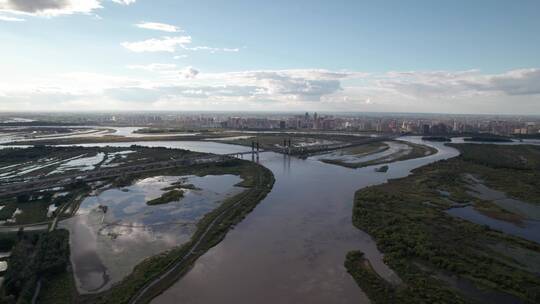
{"x": 350, "y": 56}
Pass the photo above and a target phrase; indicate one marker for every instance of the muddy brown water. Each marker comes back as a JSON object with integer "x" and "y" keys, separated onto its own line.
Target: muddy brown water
{"x": 292, "y": 247}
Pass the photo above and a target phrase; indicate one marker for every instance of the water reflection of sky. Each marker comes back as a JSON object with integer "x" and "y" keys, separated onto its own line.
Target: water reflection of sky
{"x": 106, "y": 246}
{"x": 528, "y": 229}
{"x": 524, "y": 209}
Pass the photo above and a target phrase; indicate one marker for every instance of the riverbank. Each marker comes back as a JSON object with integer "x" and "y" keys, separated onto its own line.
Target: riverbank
{"x": 443, "y": 258}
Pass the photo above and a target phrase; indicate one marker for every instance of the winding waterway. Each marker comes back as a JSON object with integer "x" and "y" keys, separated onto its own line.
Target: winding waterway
{"x": 292, "y": 247}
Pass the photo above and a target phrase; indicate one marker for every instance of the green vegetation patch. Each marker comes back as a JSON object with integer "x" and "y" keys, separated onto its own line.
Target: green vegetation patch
{"x": 58, "y": 288}
{"x": 526, "y": 157}
{"x": 34, "y": 256}
{"x": 426, "y": 246}
{"x": 167, "y": 197}
{"x": 381, "y": 292}
{"x": 509, "y": 168}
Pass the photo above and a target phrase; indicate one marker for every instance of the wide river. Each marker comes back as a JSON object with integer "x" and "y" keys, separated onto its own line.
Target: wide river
{"x": 292, "y": 247}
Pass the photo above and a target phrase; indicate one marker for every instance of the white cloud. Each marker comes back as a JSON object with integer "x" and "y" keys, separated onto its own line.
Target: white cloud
{"x": 180, "y": 56}
{"x": 171, "y": 88}
{"x": 169, "y": 44}
{"x": 158, "y": 27}
{"x": 516, "y": 82}
{"x": 164, "y": 44}
{"x": 52, "y": 8}
{"x": 443, "y": 84}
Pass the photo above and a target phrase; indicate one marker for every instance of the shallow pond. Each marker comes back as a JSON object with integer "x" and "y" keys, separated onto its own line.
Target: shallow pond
{"x": 107, "y": 243}
{"x": 527, "y": 229}
{"x": 524, "y": 209}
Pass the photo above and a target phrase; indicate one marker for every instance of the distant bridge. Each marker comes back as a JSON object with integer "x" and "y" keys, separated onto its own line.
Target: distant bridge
{"x": 241, "y": 154}
{"x": 288, "y": 148}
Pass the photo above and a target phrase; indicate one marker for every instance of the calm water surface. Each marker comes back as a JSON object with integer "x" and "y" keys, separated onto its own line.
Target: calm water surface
{"x": 105, "y": 246}
{"x": 527, "y": 229}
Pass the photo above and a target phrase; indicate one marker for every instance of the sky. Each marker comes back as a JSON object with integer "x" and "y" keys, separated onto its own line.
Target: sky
{"x": 480, "y": 57}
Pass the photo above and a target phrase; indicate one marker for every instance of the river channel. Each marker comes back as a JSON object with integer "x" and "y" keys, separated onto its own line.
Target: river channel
{"x": 292, "y": 247}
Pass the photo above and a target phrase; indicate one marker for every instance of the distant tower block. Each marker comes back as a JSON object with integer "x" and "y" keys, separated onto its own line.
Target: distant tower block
{"x": 289, "y": 146}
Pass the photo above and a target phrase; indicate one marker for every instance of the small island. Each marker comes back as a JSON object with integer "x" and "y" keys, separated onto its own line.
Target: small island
{"x": 382, "y": 169}
{"x": 167, "y": 197}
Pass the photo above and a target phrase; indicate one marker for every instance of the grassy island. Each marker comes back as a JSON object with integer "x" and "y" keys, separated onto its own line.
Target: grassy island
{"x": 167, "y": 197}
